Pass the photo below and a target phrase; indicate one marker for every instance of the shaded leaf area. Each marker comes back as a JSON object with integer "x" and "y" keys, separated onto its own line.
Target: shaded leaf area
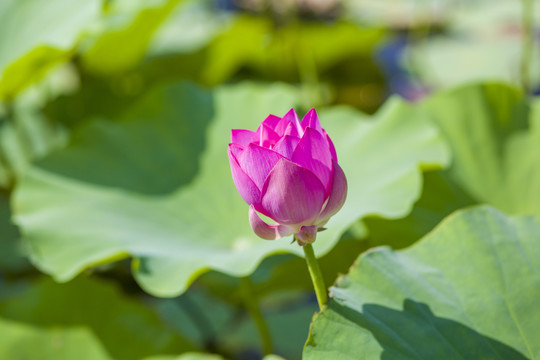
{"x": 416, "y": 334}
{"x": 50, "y": 31}
{"x": 466, "y": 290}
{"x": 75, "y": 216}
{"x": 225, "y": 328}
{"x": 159, "y": 139}
{"x": 12, "y": 257}
{"x": 493, "y": 134}
{"x": 86, "y": 314}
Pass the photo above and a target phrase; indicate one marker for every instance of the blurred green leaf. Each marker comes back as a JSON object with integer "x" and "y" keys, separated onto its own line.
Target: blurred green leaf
{"x": 190, "y": 27}
{"x": 468, "y": 290}
{"x": 292, "y": 52}
{"x": 37, "y": 34}
{"x": 273, "y": 357}
{"x": 124, "y": 42}
{"x": 22, "y": 341}
{"x": 115, "y": 191}
{"x": 440, "y": 197}
{"x": 400, "y": 14}
{"x": 202, "y": 356}
{"x": 483, "y": 42}
{"x": 182, "y": 48}
{"x": 188, "y": 356}
{"x": 25, "y": 135}
{"x": 494, "y": 153}
{"x": 83, "y": 307}
{"x": 228, "y": 329}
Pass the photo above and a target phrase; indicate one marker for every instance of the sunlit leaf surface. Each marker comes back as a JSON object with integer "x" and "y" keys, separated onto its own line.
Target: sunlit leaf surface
{"x": 468, "y": 290}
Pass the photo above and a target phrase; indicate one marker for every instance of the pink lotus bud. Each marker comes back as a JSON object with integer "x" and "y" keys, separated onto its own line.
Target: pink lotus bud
{"x": 287, "y": 170}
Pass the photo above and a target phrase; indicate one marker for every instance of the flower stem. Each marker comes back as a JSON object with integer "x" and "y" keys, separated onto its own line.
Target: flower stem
{"x": 252, "y": 306}
{"x": 316, "y": 275}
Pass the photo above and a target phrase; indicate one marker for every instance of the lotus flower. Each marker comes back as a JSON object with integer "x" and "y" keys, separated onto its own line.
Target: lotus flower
{"x": 287, "y": 170}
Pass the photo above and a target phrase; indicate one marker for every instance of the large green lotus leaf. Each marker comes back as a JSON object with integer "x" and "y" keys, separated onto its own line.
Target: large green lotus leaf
{"x": 117, "y": 189}
{"x": 98, "y": 308}
{"x": 495, "y": 158}
{"x": 468, "y": 290}
{"x": 36, "y": 34}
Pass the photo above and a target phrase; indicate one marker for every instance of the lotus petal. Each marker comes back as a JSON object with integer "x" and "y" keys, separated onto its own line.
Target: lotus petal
{"x": 266, "y": 136}
{"x": 246, "y": 187}
{"x": 337, "y": 195}
{"x": 312, "y": 152}
{"x": 292, "y": 117}
{"x": 257, "y": 162}
{"x": 292, "y": 130}
{"x": 292, "y": 194}
{"x": 330, "y": 145}
{"x": 242, "y": 137}
{"x": 311, "y": 120}
{"x": 264, "y": 230}
{"x": 286, "y": 146}
{"x": 281, "y": 126}
{"x": 271, "y": 121}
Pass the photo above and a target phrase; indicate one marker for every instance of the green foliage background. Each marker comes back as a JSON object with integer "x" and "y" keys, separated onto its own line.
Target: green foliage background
{"x": 122, "y": 235}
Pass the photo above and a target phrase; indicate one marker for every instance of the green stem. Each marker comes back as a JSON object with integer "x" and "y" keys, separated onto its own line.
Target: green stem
{"x": 316, "y": 275}
{"x": 252, "y": 306}
{"x": 527, "y": 43}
